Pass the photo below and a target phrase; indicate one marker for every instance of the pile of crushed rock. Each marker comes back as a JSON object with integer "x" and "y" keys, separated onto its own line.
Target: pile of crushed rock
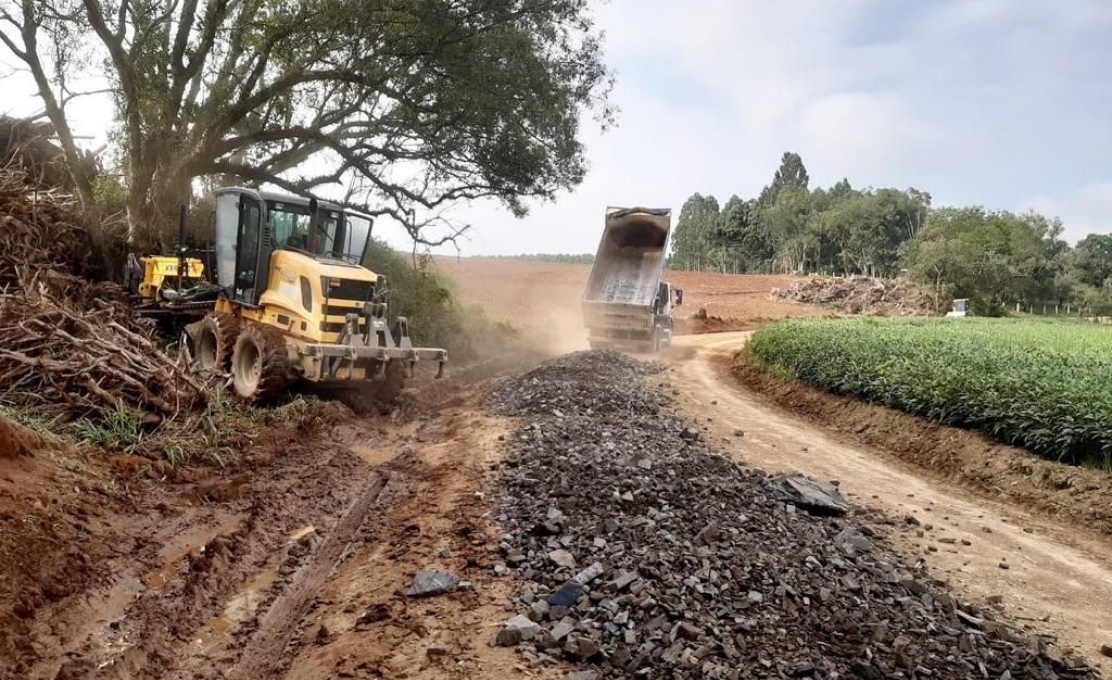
{"x": 645, "y": 554}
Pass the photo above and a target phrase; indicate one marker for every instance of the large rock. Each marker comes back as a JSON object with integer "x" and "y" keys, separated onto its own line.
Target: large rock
{"x": 428, "y": 583}
{"x": 517, "y": 630}
{"x": 809, "y": 494}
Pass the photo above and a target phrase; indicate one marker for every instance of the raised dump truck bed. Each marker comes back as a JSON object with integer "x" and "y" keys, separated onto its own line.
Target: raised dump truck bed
{"x": 626, "y": 304}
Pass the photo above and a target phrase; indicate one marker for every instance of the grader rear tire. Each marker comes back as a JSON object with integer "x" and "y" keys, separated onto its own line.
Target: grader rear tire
{"x": 214, "y": 342}
{"x": 260, "y": 365}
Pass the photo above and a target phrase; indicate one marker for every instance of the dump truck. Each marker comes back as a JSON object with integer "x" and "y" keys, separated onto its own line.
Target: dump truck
{"x": 296, "y": 303}
{"x": 626, "y": 304}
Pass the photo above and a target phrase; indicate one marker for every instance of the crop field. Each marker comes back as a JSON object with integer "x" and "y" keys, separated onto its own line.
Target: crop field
{"x": 1042, "y": 385}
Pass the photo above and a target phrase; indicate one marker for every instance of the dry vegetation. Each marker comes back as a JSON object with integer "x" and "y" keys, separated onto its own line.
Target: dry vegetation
{"x": 65, "y": 340}
{"x": 861, "y": 295}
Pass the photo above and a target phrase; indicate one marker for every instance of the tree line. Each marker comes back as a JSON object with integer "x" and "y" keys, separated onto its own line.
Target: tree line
{"x": 999, "y": 259}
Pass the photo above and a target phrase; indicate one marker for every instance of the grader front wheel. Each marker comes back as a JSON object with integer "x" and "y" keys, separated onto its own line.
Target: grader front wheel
{"x": 260, "y": 365}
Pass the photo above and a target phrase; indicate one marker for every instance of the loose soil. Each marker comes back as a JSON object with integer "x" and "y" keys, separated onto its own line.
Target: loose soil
{"x": 293, "y": 564}
{"x": 1058, "y": 575}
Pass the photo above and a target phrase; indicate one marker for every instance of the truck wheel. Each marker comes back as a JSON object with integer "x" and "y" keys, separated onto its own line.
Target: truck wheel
{"x": 260, "y": 364}
{"x": 214, "y": 342}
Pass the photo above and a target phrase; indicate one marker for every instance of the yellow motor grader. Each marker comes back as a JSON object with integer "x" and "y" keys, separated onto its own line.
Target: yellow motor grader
{"x": 297, "y": 304}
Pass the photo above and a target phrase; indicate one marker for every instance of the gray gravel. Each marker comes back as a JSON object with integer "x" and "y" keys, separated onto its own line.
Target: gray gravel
{"x": 642, "y": 553}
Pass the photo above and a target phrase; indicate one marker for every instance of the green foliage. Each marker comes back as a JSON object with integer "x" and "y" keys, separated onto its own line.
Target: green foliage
{"x": 793, "y": 228}
{"x": 1094, "y": 259}
{"x": 1043, "y": 385}
{"x": 987, "y": 308}
{"x": 1000, "y": 257}
{"x": 693, "y": 233}
{"x": 412, "y": 105}
{"x": 997, "y": 258}
{"x": 109, "y": 193}
{"x": 22, "y": 415}
{"x": 790, "y": 175}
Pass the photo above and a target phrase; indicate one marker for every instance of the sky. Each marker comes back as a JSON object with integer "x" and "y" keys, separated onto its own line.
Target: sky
{"x": 1000, "y": 103}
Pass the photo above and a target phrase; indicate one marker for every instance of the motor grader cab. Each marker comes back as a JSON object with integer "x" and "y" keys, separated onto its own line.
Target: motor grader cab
{"x": 297, "y": 304}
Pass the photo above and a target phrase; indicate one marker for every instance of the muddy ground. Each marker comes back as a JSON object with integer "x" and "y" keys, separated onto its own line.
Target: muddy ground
{"x": 295, "y": 562}
{"x": 291, "y": 566}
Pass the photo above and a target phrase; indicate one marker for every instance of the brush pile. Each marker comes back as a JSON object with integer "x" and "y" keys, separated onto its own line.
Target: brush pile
{"x": 861, "y": 295}
{"x": 67, "y": 340}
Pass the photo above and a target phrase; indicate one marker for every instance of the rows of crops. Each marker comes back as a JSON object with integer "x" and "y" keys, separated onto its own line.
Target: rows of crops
{"x": 1043, "y": 385}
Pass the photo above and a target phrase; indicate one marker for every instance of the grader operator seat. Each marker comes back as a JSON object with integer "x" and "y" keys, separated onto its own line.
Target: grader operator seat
{"x": 298, "y": 304}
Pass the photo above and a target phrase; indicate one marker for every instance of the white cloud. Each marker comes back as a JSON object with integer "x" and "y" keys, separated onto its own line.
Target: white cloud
{"x": 977, "y": 101}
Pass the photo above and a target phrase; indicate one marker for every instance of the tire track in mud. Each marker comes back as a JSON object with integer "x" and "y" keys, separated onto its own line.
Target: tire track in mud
{"x": 264, "y": 653}
{"x": 303, "y": 476}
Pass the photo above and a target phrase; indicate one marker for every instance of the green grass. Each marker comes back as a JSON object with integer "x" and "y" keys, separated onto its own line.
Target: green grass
{"x": 120, "y": 429}
{"x": 1040, "y": 384}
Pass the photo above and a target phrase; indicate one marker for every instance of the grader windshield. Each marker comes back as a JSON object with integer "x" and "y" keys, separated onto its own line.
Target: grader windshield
{"x": 339, "y": 234}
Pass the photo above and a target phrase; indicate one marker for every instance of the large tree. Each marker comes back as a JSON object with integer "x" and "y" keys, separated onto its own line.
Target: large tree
{"x": 693, "y": 235}
{"x": 791, "y": 174}
{"x": 1094, "y": 259}
{"x": 402, "y": 106}
{"x": 1001, "y": 257}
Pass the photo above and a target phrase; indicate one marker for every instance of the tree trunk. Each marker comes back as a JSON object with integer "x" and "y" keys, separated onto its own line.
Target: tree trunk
{"x": 152, "y": 215}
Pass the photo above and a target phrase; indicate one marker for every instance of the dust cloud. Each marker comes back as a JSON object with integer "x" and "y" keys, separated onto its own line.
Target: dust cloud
{"x": 541, "y": 300}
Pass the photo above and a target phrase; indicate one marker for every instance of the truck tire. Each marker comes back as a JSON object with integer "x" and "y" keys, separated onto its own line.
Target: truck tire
{"x": 260, "y": 365}
{"x": 214, "y": 342}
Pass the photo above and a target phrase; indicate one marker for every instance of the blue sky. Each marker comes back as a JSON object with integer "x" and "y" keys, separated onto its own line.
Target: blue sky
{"x": 1001, "y": 103}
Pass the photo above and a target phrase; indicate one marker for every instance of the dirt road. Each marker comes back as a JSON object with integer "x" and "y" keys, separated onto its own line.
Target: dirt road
{"x": 1052, "y": 578}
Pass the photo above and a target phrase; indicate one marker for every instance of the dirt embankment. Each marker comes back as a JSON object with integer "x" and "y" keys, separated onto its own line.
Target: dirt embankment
{"x": 967, "y": 458}
{"x": 106, "y": 564}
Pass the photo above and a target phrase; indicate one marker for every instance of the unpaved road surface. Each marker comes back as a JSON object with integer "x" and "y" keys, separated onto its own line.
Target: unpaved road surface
{"x": 1057, "y": 580}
